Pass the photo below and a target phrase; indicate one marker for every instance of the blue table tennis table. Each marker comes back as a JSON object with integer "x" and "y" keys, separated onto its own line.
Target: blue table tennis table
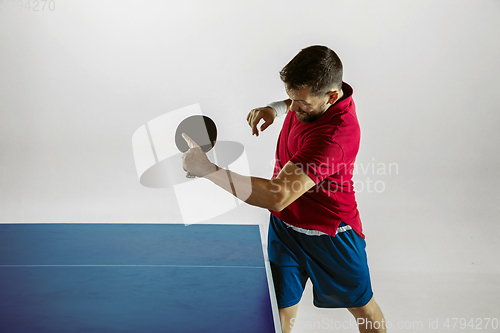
{"x": 66, "y": 277}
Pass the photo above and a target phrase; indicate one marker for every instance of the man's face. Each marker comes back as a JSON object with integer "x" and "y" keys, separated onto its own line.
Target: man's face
{"x": 307, "y": 107}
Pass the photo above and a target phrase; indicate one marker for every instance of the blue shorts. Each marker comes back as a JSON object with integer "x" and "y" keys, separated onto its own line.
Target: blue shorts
{"x": 337, "y": 266}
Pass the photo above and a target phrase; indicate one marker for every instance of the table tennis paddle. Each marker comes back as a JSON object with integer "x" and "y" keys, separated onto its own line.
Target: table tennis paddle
{"x": 201, "y": 129}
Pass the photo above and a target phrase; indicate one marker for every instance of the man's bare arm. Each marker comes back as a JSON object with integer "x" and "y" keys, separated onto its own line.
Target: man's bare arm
{"x": 275, "y": 194}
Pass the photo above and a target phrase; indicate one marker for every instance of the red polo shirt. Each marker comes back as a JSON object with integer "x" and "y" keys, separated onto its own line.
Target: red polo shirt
{"x": 326, "y": 150}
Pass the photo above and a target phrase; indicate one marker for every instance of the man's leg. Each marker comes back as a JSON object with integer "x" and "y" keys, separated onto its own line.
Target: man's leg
{"x": 287, "y": 317}
{"x": 369, "y": 318}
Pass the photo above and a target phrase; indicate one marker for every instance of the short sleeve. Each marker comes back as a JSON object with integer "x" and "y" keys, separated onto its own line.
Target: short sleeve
{"x": 319, "y": 157}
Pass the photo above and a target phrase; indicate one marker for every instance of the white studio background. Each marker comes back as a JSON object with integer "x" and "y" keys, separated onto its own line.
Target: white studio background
{"x": 77, "y": 81}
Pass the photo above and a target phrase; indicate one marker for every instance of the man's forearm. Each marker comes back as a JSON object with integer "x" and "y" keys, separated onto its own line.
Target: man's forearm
{"x": 253, "y": 190}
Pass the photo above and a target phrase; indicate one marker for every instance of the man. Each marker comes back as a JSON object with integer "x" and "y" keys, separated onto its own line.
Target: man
{"x": 315, "y": 231}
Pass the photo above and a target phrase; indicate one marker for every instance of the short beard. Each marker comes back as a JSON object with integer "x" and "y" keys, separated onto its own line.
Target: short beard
{"x": 309, "y": 118}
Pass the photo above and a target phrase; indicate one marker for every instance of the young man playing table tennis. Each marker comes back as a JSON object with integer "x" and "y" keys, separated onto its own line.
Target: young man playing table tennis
{"x": 315, "y": 230}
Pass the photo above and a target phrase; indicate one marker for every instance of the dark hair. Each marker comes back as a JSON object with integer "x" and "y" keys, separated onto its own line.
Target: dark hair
{"x": 316, "y": 67}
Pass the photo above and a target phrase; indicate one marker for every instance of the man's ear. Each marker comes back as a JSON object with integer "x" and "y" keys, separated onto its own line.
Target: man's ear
{"x": 333, "y": 96}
